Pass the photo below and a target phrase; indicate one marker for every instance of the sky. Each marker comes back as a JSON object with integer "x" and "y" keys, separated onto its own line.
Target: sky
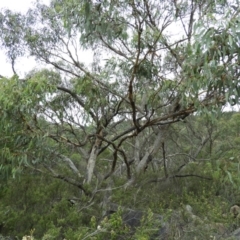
{"x": 23, "y": 65}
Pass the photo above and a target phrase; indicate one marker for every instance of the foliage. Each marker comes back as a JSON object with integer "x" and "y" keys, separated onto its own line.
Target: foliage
{"x": 56, "y": 211}
{"x": 40, "y": 204}
{"x": 144, "y": 115}
{"x": 149, "y": 80}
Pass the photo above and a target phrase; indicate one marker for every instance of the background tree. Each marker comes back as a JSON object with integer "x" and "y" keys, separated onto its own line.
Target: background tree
{"x": 153, "y": 64}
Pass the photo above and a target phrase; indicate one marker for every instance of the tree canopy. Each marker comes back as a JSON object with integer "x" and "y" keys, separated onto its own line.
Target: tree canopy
{"x": 153, "y": 64}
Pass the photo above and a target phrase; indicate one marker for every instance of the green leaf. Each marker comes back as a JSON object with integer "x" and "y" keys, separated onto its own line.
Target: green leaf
{"x": 230, "y": 40}
{"x": 230, "y": 177}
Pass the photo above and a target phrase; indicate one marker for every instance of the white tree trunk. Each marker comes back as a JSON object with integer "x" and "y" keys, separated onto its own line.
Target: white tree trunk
{"x": 71, "y": 165}
{"x": 153, "y": 150}
{"x": 137, "y": 151}
{"x": 92, "y": 160}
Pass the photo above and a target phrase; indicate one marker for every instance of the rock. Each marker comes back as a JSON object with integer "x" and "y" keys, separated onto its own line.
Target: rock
{"x": 235, "y": 211}
{"x": 132, "y": 218}
{"x": 236, "y": 234}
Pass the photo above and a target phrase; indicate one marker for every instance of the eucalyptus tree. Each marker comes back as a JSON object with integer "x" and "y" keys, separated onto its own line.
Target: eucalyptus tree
{"x": 149, "y": 64}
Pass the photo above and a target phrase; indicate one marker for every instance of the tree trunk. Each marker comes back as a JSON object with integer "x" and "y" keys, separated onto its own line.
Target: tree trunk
{"x": 153, "y": 150}
{"x": 92, "y": 159}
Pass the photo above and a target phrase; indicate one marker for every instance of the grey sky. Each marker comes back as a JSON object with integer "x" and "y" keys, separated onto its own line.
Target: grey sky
{"x": 18, "y": 5}
{"x": 23, "y": 65}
